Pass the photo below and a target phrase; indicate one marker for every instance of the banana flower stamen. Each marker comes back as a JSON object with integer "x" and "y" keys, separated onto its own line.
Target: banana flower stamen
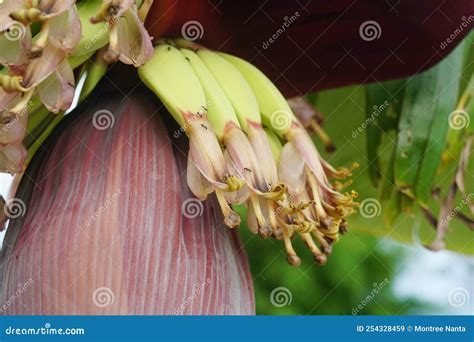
{"x": 40, "y": 42}
{"x": 110, "y": 10}
{"x": 291, "y": 255}
{"x": 320, "y": 257}
{"x": 27, "y": 16}
{"x": 231, "y": 218}
{"x": 12, "y": 84}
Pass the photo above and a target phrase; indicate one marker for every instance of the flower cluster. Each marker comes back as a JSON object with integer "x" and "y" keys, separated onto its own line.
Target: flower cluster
{"x": 37, "y": 40}
{"x": 247, "y": 147}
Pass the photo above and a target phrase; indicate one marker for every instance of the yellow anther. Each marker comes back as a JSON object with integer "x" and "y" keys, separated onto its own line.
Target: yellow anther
{"x": 339, "y": 185}
{"x": 304, "y": 226}
{"x": 108, "y": 13}
{"x": 300, "y": 207}
{"x": 12, "y": 83}
{"x": 277, "y": 193}
{"x": 233, "y": 183}
{"x": 27, "y": 16}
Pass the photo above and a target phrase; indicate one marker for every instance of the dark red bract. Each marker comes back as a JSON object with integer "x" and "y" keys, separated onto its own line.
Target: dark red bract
{"x": 321, "y": 47}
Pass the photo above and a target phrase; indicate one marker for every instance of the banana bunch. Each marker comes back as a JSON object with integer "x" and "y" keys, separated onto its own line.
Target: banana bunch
{"x": 246, "y": 146}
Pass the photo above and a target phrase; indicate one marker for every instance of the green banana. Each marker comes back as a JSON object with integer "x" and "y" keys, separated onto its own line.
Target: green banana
{"x": 238, "y": 91}
{"x": 219, "y": 109}
{"x": 275, "y": 111}
{"x": 170, "y": 76}
{"x": 77, "y": 60}
{"x": 275, "y": 143}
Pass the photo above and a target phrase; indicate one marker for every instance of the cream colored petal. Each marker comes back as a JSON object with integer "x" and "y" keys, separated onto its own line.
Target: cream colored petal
{"x": 12, "y": 127}
{"x": 206, "y": 152}
{"x": 57, "y": 91}
{"x": 252, "y": 223}
{"x": 12, "y": 158}
{"x": 244, "y": 159}
{"x": 5, "y": 9}
{"x": 40, "y": 68}
{"x": 130, "y": 40}
{"x": 263, "y": 152}
{"x": 8, "y": 100}
{"x": 305, "y": 146}
{"x": 65, "y": 30}
{"x": 291, "y": 169}
{"x": 241, "y": 195}
{"x": 15, "y": 44}
{"x": 198, "y": 185}
{"x": 53, "y": 8}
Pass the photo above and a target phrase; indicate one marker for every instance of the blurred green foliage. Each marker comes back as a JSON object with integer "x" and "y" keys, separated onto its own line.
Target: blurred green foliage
{"x": 337, "y": 288}
{"x": 358, "y": 264}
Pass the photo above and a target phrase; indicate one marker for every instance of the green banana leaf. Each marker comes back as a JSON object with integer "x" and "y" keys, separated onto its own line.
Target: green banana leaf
{"x": 429, "y": 98}
{"x": 383, "y": 108}
{"x": 412, "y": 228}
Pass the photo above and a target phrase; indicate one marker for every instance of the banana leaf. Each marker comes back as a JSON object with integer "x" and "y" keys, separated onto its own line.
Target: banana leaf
{"x": 383, "y": 109}
{"x": 412, "y": 228}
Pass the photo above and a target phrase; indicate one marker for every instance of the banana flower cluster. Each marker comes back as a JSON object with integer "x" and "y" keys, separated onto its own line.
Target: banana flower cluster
{"x": 37, "y": 68}
{"x": 248, "y": 147}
